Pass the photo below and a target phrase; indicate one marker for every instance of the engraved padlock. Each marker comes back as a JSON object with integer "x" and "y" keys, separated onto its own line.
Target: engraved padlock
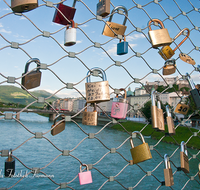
{"x": 170, "y": 121}
{"x": 85, "y": 177}
{"x": 58, "y": 125}
{"x": 154, "y": 115}
{"x": 31, "y": 79}
{"x": 90, "y": 118}
{"x": 103, "y": 8}
{"x": 70, "y": 35}
{"x": 166, "y": 52}
{"x": 169, "y": 67}
{"x": 168, "y": 175}
{"x": 186, "y": 58}
{"x": 122, "y": 47}
{"x": 119, "y": 106}
{"x": 141, "y": 152}
{"x": 117, "y": 29}
{"x": 159, "y": 37}
{"x": 194, "y": 92}
{"x": 20, "y": 6}
{"x": 64, "y": 13}
{"x": 160, "y": 116}
{"x": 182, "y": 108}
{"x": 97, "y": 91}
{"x": 184, "y": 158}
{"x": 9, "y": 169}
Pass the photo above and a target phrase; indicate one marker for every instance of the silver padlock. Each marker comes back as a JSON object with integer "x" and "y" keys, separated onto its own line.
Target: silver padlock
{"x": 70, "y": 35}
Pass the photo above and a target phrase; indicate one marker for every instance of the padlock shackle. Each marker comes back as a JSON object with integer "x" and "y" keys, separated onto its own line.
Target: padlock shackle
{"x": 72, "y": 24}
{"x": 9, "y": 155}
{"x": 96, "y": 69}
{"x": 131, "y": 140}
{"x": 155, "y": 20}
{"x": 74, "y": 3}
{"x": 59, "y": 115}
{"x": 85, "y": 166}
{"x": 125, "y": 94}
{"x": 188, "y": 33}
{"x": 192, "y": 85}
{"x": 167, "y": 162}
{"x": 92, "y": 104}
{"x": 167, "y": 110}
{"x": 184, "y": 148}
{"x": 159, "y": 104}
{"x": 171, "y": 61}
{"x": 36, "y": 60}
{"x": 153, "y": 101}
{"x": 116, "y": 8}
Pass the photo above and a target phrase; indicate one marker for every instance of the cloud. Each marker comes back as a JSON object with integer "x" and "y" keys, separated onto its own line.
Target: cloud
{"x": 79, "y": 41}
{"x": 85, "y": 25}
{"x": 134, "y": 37}
{"x": 112, "y": 50}
{"x": 132, "y": 45}
{"x": 5, "y": 31}
{"x": 1, "y": 25}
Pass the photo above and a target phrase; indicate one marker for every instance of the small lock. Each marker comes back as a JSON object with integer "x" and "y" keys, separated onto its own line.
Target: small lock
{"x": 119, "y": 106}
{"x": 170, "y": 121}
{"x": 154, "y": 114}
{"x": 199, "y": 171}
{"x": 182, "y": 108}
{"x": 166, "y": 52}
{"x": 169, "y": 67}
{"x": 70, "y": 35}
{"x": 122, "y": 47}
{"x": 168, "y": 175}
{"x": 103, "y": 8}
{"x": 118, "y": 29}
{"x": 58, "y": 126}
{"x": 9, "y": 165}
{"x": 20, "y": 6}
{"x": 85, "y": 177}
{"x": 97, "y": 91}
{"x": 160, "y": 116}
{"x": 141, "y": 152}
{"x": 90, "y": 118}
{"x": 33, "y": 78}
{"x": 186, "y": 58}
{"x": 184, "y": 158}
{"x": 65, "y": 10}
{"x": 159, "y": 37}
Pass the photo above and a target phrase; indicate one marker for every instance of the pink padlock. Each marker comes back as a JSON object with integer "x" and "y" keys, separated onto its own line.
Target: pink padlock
{"x": 85, "y": 177}
{"x": 119, "y": 106}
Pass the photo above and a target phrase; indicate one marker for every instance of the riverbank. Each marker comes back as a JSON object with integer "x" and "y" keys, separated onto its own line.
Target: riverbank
{"x": 182, "y": 133}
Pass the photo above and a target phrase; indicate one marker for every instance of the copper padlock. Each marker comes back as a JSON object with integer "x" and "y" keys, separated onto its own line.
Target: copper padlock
{"x": 154, "y": 114}
{"x": 169, "y": 67}
{"x": 168, "y": 175}
{"x": 184, "y": 158}
{"x": 160, "y": 116}
{"x": 90, "y": 118}
{"x": 31, "y": 79}
{"x": 103, "y": 8}
{"x": 159, "y": 37}
{"x": 186, "y": 58}
{"x": 117, "y": 29}
{"x": 170, "y": 121}
{"x": 20, "y": 6}
{"x": 58, "y": 126}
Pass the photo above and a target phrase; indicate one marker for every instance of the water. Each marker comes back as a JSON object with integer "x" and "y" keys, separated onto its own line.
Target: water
{"x": 40, "y": 152}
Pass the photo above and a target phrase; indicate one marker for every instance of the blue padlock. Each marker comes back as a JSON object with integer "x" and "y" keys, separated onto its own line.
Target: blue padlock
{"x": 122, "y": 47}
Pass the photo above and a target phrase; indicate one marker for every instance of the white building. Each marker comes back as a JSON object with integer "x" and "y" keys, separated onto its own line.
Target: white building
{"x": 171, "y": 98}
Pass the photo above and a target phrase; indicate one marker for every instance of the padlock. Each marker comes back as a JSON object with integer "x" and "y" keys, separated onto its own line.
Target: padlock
{"x": 141, "y": 152}
{"x": 119, "y": 106}
{"x": 160, "y": 116}
{"x": 97, "y": 91}
{"x": 90, "y": 118}
{"x": 118, "y": 29}
{"x": 32, "y": 79}
{"x": 70, "y": 35}
{"x": 182, "y": 108}
{"x": 58, "y": 126}
{"x": 85, "y": 177}
{"x": 170, "y": 121}
{"x": 168, "y": 175}
{"x": 184, "y": 158}
{"x": 169, "y": 67}
{"x": 103, "y": 8}
{"x": 154, "y": 115}
{"x": 9, "y": 165}
{"x": 122, "y": 47}
{"x": 20, "y": 6}
{"x": 64, "y": 13}
{"x": 159, "y": 37}
{"x": 186, "y": 58}
{"x": 194, "y": 92}
{"x": 166, "y": 52}
{"x": 199, "y": 171}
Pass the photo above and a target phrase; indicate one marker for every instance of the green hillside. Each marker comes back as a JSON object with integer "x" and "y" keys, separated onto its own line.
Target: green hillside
{"x": 13, "y": 94}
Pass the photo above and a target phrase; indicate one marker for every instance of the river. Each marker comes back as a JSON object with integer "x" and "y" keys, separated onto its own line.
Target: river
{"x": 40, "y": 152}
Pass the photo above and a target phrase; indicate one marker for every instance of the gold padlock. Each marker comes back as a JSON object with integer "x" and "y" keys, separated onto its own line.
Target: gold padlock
{"x": 20, "y": 6}
{"x": 161, "y": 122}
{"x": 182, "y": 108}
{"x": 59, "y": 126}
{"x": 141, "y": 152}
{"x": 170, "y": 122}
{"x": 89, "y": 118}
{"x": 159, "y": 37}
{"x": 117, "y": 29}
{"x": 154, "y": 110}
{"x": 169, "y": 67}
{"x": 103, "y": 8}
{"x": 184, "y": 158}
{"x": 97, "y": 91}
{"x": 186, "y": 58}
{"x": 166, "y": 52}
{"x": 168, "y": 175}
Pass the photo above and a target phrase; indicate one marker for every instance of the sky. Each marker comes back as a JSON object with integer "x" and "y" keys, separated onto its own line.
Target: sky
{"x": 27, "y": 29}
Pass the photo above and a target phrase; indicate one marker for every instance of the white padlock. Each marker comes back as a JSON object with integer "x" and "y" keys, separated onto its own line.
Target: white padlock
{"x": 70, "y": 35}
